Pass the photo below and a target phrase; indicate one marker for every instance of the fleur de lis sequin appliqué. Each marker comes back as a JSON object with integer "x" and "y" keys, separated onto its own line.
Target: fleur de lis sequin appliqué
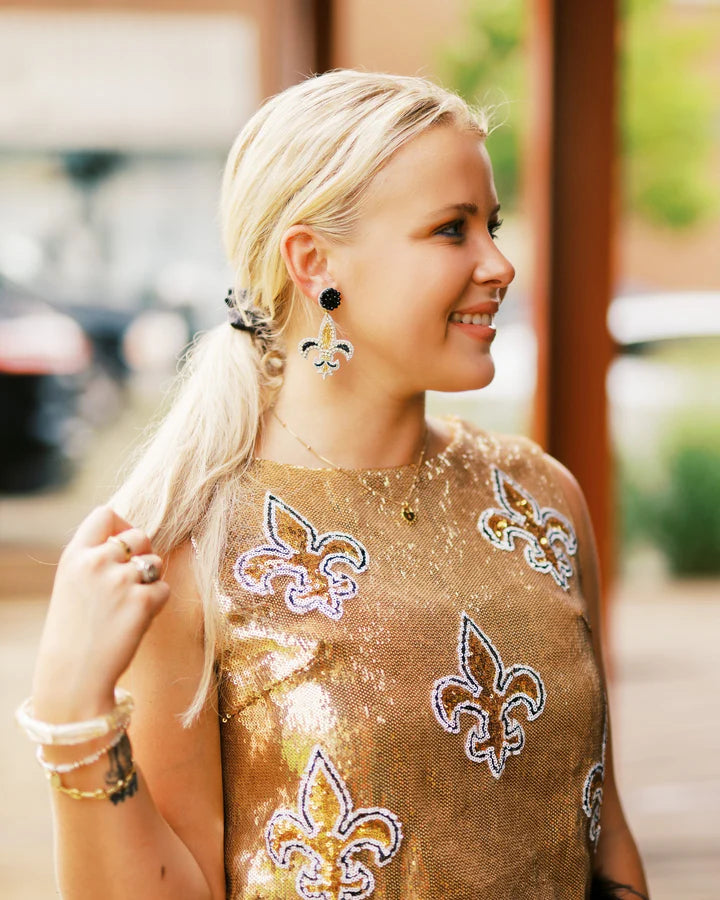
{"x": 309, "y": 560}
{"x": 490, "y": 693}
{"x": 550, "y": 536}
{"x": 326, "y": 834}
{"x": 593, "y": 793}
{"x": 327, "y": 346}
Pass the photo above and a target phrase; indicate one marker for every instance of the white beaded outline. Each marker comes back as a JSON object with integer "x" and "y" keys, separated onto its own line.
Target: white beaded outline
{"x": 535, "y": 555}
{"x": 341, "y": 586}
{"x": 347, "y": 820}
{"x": 514, "y": 734}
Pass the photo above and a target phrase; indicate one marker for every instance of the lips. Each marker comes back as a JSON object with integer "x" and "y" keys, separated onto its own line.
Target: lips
{"x": 477, "y": 320}
{"x": 489, "y": 308}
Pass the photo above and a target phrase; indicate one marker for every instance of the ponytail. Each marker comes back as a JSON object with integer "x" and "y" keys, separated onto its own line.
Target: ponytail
{"x": 182, "y": 471}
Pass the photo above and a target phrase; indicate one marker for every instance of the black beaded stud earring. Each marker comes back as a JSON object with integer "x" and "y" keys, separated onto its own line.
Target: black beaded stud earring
{"x": 326, "y": 342}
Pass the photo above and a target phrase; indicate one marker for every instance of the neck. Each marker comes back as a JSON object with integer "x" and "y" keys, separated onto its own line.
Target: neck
{"x": 353, "y": 420}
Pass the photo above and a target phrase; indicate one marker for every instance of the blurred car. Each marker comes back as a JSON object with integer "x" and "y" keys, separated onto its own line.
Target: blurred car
{"x": 105, "y": 327}
{"x": 44, "y": 356}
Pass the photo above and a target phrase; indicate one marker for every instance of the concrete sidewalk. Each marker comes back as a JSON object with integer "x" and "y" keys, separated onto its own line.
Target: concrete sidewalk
{"x": 666, "y": 730}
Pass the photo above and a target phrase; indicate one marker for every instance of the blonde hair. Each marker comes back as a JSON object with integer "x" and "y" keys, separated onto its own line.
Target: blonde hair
{"x": 307, "y": 156}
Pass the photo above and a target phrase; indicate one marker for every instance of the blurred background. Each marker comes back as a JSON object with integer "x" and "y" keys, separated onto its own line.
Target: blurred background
{"x": 115, "y": 120}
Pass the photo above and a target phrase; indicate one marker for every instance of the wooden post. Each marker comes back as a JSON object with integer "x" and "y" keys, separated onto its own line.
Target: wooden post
{"x": 572, "y": 191}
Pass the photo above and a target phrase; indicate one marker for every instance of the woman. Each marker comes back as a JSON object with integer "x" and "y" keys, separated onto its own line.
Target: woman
{"x": 372, "y": 658}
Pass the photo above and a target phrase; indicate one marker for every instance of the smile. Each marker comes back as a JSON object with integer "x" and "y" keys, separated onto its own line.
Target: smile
{"x": 475, "y": 319}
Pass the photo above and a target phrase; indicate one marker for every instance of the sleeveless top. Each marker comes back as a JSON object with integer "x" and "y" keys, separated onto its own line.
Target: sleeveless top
{"x": 408, "y": 710}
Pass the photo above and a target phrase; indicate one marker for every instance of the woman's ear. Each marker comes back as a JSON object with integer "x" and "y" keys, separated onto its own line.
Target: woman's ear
{"x": 304, "y": 254}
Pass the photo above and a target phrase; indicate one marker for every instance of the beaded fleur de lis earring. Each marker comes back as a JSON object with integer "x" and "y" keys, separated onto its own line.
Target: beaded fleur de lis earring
{"x": 326, "y": 342}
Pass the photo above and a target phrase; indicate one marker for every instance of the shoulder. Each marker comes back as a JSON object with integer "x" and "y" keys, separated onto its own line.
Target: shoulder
{"x": 588, "y": 563}
{"x": 553, "y": 484}
{"x": 519, "y": 454}
{"x": 506, "y": 450}
{"x": 580, "y": 514}
{"x": 520, "y": 451}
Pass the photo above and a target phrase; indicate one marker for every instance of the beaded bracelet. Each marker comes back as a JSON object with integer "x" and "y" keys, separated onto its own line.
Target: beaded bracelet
{"x": 63, "y": 768}
{"x": 76, "y": 732}
{"x": 99, "y": 794}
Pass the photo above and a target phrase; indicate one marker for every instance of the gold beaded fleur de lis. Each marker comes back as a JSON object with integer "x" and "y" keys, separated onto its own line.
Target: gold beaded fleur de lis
{"x": 326, "y": 833}
{"x": 550, "y": 536}
{"x": 326, "y": 342}
{"x": 309, "y": 560}
{"x": 491, "y": 693}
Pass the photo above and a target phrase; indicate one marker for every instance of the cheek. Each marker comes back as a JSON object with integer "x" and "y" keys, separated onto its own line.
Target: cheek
{"x": 407, "y": 293}
{"x": 409, "y": 308}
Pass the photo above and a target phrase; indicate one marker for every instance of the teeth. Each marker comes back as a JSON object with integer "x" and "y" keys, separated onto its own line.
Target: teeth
{"x": 472, "y": 319}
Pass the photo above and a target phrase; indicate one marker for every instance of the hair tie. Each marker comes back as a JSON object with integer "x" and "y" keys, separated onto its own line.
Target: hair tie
{"x": 247, "y": 318}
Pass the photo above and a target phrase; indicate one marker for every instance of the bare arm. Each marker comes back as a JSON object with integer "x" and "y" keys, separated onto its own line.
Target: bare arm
{"x": 165, "y": 838}
{"x": 617, "y": 857}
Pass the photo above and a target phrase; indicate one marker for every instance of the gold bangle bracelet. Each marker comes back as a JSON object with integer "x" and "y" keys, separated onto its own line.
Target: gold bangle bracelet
{"x": 99, "y": 794}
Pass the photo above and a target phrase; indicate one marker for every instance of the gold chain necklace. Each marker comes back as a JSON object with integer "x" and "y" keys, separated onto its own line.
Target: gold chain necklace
{"x": 408, "y": 513}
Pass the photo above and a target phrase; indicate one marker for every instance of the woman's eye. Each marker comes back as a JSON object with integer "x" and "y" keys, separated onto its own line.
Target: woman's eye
{"x": 493, "y": 227}
{"x": 455, "y": 229}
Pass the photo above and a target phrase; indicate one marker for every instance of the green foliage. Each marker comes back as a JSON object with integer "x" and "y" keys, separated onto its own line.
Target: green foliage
{"x": 486, "y": 68}
{"x": 682, "y": 516}
{"x": 687, "y": 521}
{"x": 668, "y": 114}
{"x": 668, "y": 106}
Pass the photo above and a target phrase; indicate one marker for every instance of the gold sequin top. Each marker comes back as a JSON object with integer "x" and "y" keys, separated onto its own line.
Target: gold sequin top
{"x": 408, "y": 710}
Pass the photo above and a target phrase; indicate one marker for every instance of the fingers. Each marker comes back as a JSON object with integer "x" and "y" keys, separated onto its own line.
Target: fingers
{"x": 152, "y": 597}
{"x": 124, "y": 584}
{"x": 133, "y": 540}
{"x": 97, "y": 527}
{"x": 148, "y": 566}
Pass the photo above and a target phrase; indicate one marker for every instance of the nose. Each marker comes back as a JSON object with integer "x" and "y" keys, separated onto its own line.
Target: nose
{"x": 494, "y": 269}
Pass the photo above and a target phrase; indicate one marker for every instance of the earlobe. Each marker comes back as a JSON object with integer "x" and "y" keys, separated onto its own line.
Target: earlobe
{"x": 304, "y": 255}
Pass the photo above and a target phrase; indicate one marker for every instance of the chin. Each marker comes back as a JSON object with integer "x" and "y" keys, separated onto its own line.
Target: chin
{"x": 473, "y": 376}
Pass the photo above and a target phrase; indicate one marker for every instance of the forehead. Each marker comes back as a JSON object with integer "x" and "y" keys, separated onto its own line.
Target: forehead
{"x": 442, "y": 166}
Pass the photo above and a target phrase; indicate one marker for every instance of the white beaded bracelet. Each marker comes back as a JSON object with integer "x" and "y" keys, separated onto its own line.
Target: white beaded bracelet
{"x": 64, "y": 768}
{"x": 76, "y": 732}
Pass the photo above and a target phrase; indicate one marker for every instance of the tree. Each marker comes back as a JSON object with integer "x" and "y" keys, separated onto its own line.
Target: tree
{"x": 669, "y": 108}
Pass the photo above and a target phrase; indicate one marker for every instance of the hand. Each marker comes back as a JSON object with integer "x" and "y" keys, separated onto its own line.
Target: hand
{"x": 99, "y": 611}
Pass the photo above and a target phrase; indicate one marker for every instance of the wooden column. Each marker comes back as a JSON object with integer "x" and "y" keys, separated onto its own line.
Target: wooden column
{"x": 572, "y": 192}
{"x": 324, "y": 15}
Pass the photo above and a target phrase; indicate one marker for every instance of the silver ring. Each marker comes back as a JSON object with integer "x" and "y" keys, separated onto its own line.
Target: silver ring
{"x": 149, "y": 572}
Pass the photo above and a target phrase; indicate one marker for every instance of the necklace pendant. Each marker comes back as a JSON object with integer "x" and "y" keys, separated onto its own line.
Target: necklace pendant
{"x": 408, "y": 514}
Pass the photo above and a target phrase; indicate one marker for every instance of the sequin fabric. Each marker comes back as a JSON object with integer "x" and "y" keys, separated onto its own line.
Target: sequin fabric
{"x": 429, "y": 733}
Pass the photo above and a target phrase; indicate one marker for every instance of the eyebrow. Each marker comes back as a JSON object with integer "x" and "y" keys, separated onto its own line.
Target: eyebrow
{"x": 469, "y": 208}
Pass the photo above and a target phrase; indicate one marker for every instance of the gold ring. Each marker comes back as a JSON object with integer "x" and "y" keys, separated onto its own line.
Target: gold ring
{"x": 127, "y": 549}
{"x": 149, "y": 572}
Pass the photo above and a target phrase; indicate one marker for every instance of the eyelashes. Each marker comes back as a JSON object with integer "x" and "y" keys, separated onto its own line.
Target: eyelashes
{"x": 457, "y": 228}
{"x": 493, "y": 227}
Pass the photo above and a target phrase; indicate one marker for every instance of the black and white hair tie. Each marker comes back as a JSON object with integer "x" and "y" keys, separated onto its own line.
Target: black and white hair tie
{"x": 246, "y": 318}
